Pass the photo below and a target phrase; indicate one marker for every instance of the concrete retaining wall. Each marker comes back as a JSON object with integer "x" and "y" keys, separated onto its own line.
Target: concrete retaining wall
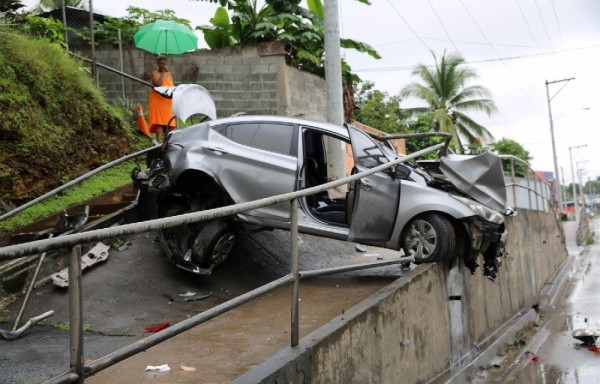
{"x": 251, "y": 79}
{"x": 424, "y": 323}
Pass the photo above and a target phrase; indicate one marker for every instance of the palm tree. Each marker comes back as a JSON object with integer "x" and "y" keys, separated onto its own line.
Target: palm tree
{"x": 449, "y": 98}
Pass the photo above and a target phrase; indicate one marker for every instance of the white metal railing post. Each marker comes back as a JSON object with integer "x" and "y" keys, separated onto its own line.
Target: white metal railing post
{"x": 76, "y": 313}
{"x": 514, "y": 186}
{"x": 294, "y": 270}
{"x": 530, "y": 206}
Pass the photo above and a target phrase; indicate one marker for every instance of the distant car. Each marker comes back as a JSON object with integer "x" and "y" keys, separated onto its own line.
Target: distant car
{"x": 434, "y": 210}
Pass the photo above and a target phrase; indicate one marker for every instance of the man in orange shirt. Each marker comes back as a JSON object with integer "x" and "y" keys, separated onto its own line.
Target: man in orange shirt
{"x": 158, "y": 105}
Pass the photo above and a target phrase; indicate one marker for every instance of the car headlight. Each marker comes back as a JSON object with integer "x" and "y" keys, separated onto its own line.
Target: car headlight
{"x": 481, "y": 210}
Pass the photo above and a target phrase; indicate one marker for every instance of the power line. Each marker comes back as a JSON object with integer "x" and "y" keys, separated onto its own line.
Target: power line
{"x": 406, "y": 68}
{"x": 496, "y": 52}
{"x": 528, "y": 26}
{"x": 562, "y": 40}
{"x": 544, "y": 24}
{"x": 408, "y": 25}
{"x": 442, "y": 24}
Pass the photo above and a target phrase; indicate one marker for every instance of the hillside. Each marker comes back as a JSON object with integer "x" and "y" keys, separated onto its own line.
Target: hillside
{"x": 55, "y": 124}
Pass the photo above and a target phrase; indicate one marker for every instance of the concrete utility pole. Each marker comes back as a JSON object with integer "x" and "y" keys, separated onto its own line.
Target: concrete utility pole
{"x": 556, "y": 175}
{"x": 573, "y": 177}
{"x": 336, "y": 164}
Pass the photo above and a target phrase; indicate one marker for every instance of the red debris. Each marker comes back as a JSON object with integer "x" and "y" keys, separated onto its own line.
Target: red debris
{"x": 594, "y": 349}
{"x": 157, "y": 327}
{"x": 534, "y": 358}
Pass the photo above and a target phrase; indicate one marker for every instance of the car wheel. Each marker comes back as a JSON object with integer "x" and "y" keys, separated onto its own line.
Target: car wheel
{"x": 429, "y": 238}
{"x": 214, "y": 243}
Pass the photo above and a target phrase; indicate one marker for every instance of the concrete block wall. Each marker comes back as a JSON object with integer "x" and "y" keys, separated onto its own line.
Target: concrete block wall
{"x": 250, "y": 79}
{"x": 415, "y": 329}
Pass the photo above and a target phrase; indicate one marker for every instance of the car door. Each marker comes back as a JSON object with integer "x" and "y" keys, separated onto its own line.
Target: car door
{"x": 254, "y": 160}
{"x": 373, "y": 200}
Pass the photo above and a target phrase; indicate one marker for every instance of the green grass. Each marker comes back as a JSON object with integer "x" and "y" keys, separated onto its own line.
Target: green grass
{"x": 103, "y": 182}
{"x": 67, "y": 326}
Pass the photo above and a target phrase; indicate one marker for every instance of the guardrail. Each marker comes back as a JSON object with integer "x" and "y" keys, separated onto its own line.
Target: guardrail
{"x": 78, "y": 371}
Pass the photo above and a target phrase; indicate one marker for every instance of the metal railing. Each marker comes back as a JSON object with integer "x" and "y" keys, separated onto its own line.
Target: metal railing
{"x": 544, "y": 186}
{"x": 78, "y": 370}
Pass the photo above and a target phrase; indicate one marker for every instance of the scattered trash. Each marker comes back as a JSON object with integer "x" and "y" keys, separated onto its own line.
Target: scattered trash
{"x": 361, "y": 248}
{"x": 404, "y": 342}
{"x": 587, "y": 336}
{"x": 188, "y": 369}
{"x": 159, "y": 368}
{"x": 95, "y": 255}
{"x": 187, "y": 294}
{"x": 371, "y": 254}
{"x": 594, "y": 349}
{"x": 532, "y": 357}
{"x": 157, "y": 327}
{"x": 196, "y": 298}
{"x": 123, "y": 247}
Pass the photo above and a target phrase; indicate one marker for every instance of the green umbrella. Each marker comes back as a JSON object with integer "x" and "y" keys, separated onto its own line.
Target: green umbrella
{"x": 165, "y": 37}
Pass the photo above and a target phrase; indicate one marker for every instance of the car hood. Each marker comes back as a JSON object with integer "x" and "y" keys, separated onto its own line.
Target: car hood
{"x": 480, "y": 177}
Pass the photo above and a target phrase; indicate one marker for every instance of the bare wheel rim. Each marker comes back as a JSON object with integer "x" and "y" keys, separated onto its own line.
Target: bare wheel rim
{"x": 223, "y": 248}
{"x": 421, "y": 239}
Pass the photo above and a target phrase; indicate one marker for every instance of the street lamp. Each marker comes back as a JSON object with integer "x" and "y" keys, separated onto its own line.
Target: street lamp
{"x": 573, "y": 176}
{"x": 556, "y": 175}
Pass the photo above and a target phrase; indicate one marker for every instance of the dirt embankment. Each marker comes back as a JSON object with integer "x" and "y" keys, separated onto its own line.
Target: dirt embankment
{"x": 55, "y": 124}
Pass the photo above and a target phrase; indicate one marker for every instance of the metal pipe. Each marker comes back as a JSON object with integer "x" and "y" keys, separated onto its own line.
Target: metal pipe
{"x": 38, "y": 246}
{"x": 93, "y": 43}
{"x": 295, "y": 284}
{"x": 64, "y": 20}
{"x": 150, "y": 341}
{"x": 121, "y": 66}
{"x": 512, "y": 175}
{"x": 65, "y": 377}
{"x": 111, "y": 69}
{"x": 76, "y": 312}
{"x": 356, "y": 267}
{"x": 29, "y": 289}
{"x": 75, "y": 181}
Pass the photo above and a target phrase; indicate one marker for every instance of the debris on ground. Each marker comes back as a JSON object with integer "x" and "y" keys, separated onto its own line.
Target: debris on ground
{"x": 188, "y": 369}
{"x": 361, "y": 248}
{"x": 159, "y": 368}
{"x": 187, "y": 294}
{"x": 532, "y": 357}
{"x": 158, "y": 327}
{"x": 15, "y": 334}
{"x": 196, "y": 298}
{"x": 594, "y": 349}
{"x": 95, "y": 255}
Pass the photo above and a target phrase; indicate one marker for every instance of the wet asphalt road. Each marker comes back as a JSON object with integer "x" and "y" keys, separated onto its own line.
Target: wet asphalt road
{"x": 138, "y": 287}
{"x": 562, "y": 359}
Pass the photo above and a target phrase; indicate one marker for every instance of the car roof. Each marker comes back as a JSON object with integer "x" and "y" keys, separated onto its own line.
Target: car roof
{"x": 340, "y": 130}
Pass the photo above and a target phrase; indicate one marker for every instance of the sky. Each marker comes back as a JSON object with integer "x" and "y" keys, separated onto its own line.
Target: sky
{"x": 515, "y": 46}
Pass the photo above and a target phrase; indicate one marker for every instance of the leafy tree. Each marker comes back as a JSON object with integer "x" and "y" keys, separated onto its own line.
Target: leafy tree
{"x": 449, "y": 98}
{"x": 379, "y": 110}
{"x": 49, "y": 5}
{"x": 9, "y": 8}
{"x": 277, "y": 20}
{"x": 511, "y": 147}
{"x": 107, "y": 33}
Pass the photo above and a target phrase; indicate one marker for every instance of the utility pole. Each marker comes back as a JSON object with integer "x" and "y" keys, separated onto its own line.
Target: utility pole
{"x": 336, "y": 168}
{"x": 556, "y": 175}
{"x": 573, "y": 177}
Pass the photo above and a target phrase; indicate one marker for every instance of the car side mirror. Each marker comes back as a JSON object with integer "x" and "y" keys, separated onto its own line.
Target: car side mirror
{"x": 401, "y": 172}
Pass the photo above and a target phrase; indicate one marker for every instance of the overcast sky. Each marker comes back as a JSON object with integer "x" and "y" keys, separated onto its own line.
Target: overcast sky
{"x": 514, "y": 45}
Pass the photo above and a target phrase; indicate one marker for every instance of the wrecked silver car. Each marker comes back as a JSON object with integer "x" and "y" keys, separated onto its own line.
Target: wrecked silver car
{"x": 434, "y": 210}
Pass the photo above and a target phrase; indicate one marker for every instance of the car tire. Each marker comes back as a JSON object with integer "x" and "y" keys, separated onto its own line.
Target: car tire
{"x": 430, "y": 237}
{"x": 214, "y": 243}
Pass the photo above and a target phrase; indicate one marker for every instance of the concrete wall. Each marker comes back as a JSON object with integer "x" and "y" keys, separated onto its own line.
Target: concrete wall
{"x": 251, "y": 79}
{"x": 415, "y": 328}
